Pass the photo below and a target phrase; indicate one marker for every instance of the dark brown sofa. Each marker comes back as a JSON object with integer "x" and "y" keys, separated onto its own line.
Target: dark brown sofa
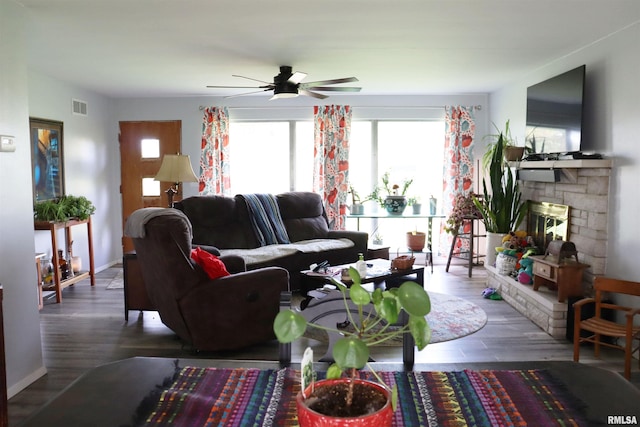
{"x": 222, "y": 314}
{"x": 224, "y": 222}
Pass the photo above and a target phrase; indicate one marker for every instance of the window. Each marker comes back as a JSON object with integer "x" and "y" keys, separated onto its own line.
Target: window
{"x": 261, "y": 159}
{"x": 277, "y": 156}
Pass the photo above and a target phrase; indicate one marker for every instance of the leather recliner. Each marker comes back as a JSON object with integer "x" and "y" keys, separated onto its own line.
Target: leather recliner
{"x": 227, "y": 313}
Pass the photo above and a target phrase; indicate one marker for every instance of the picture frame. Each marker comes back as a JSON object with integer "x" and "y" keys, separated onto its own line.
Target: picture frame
{"x": 47, "y": 159}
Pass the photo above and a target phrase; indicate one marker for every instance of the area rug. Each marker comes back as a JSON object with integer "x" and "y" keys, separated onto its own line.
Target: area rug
{"x": 117, "y": 282}
{"x": 450, "y": 318}
{"x": 239, "y": 397}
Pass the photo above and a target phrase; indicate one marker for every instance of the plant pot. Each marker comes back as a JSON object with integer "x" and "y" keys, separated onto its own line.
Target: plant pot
{"x": 417, "y": 207}
{"x": 416, "y": 240}
{"x": 494, "y": 240}
{"x": 513, "y": 154}
{"x": 395, "y": 205}
{"x": 308, "y": 417}
{"x": 357, "y": 209}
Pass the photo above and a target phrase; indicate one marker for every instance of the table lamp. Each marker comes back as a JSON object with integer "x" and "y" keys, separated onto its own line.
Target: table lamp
{"x": 175, "y": 168}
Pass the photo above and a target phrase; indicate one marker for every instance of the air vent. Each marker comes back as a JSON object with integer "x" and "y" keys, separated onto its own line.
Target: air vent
{"x": 78, "y": 107}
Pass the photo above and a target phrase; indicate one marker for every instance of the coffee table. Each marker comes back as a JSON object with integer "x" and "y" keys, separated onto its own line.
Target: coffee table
{"x": 91, "y": 399}
{"x": 329, "y": 310}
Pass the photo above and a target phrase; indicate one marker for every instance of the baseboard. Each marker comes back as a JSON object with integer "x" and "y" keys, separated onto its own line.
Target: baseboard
{"x": 26, "y": 382}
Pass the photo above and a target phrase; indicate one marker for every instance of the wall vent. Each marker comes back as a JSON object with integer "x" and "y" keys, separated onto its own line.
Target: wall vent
{"x": 78, "y": 107}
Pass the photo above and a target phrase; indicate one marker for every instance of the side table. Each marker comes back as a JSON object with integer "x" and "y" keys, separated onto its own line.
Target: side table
{"x": 566, "y": 275}
{"x": 135, "y": 292}
{"x": 53, "y": 227}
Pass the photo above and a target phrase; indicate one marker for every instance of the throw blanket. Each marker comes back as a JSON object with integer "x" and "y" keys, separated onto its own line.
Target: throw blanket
{"x": 134, "y": 226}
{"x": 253, "y": 397}
{"x": 265, "y": 219}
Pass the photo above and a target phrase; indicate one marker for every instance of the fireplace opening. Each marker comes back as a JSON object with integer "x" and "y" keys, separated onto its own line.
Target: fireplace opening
{"x": 547, "y": 222}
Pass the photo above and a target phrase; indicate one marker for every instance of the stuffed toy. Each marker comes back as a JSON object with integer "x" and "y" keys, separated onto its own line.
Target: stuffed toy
{"x": 525, "y": 273}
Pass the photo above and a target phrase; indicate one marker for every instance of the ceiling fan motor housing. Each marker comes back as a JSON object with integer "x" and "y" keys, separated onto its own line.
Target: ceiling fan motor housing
{"x": 282, "y": 85}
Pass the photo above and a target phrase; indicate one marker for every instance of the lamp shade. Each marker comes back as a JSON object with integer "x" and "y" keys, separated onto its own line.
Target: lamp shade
{"x": 176, "y": 168}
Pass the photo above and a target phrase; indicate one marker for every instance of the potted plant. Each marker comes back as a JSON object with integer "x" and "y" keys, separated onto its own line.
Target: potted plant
{"x": 351, "y": 352}
{"x": 463, "y": 208}
{"x": 415, "y": 204}
{"x": 502, "y": 210}
{"x": 395, "y": 201}
{"x": 509, "y": 146}
{"x": 357, "y": 208}
{"x": 63, "y": 209}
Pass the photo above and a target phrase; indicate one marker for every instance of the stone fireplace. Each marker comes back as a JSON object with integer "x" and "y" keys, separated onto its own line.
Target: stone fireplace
{"x": 583, "y": 186}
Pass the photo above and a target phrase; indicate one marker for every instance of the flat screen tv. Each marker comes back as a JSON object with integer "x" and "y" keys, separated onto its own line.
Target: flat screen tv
{"x": 554, "y": 114}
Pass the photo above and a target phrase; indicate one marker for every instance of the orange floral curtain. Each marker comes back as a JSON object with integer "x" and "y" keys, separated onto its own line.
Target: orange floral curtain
{"x": 460, "y": 130}
{"x": 214, "y": 152}
{"x": 332, "y": 127}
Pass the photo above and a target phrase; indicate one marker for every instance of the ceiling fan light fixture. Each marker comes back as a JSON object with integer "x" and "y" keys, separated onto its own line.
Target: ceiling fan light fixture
{"x": 285, "y": 90}
{"x": 283, "y": 95}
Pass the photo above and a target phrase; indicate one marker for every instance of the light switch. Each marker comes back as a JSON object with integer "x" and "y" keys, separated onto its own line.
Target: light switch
{"x": 7, "y": 143}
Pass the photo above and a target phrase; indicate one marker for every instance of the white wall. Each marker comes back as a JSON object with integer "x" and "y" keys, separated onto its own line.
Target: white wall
{"x": 91, "y": 165}
{"x": 612, "y": 126}
{"x": 17, "y": 265}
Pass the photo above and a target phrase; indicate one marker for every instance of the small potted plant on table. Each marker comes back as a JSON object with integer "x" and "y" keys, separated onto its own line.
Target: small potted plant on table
{"x": 351, "y": 353}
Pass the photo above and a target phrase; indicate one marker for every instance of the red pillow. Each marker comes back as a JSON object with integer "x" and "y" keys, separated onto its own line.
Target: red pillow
{"x": 210, "y": 263}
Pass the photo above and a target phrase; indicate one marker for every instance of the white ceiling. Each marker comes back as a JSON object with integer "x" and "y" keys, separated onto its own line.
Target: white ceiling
{"x": 153, "y": 48}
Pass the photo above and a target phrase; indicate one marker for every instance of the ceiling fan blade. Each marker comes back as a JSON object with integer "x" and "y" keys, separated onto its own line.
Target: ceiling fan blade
{"x": 234, "y": 87}
{"x": 329, "y": 82}
{"x": 297, "y": 77}
{"x": 246, "y": 93}
{"x": 249, "y": 78}
{"x": 311, "y": 94}
{"x": 337, "y": 88}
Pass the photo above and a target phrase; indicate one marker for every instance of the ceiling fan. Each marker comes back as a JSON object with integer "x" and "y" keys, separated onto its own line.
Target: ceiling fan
{"x": 288, "y": 84}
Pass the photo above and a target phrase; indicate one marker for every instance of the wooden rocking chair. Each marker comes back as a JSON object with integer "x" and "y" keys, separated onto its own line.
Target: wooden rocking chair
{"x": 599, "y": 326}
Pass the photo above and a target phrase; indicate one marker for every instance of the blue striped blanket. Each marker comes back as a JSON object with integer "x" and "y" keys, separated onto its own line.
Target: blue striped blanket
{"x": 265, "y": 219}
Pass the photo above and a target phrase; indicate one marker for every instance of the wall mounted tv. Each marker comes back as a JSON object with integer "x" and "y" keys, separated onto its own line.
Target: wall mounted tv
{"x": 554, "y": 114}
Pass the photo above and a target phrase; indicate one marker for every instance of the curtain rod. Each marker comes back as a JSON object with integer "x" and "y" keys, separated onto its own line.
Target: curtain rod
{"x": 413, "y": 107}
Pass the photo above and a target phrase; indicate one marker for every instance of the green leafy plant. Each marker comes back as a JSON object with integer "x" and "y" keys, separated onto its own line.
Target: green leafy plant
{"x": 502, "y": 139}
{"x": 502, "y": 210}
{"x": 64, "y": 208}
{"x": 351, "y": 352}
{"x": 389, "y": 189}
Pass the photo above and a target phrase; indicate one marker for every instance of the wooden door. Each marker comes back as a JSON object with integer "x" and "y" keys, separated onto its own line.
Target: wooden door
{"x": 138, "y": 164}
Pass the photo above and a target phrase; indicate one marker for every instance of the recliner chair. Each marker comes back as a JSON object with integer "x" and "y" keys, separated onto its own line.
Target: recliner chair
{"x": 222, "y": 314}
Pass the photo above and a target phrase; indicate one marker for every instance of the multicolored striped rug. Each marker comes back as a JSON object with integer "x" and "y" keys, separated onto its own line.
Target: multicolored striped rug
{"x": 253, "y": 397}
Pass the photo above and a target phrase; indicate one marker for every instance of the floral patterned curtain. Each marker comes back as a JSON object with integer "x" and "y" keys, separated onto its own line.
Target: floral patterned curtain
{"x": 458, "y": 162}
{"x": 332, "y": 127}
{"x": 214, "y": 157}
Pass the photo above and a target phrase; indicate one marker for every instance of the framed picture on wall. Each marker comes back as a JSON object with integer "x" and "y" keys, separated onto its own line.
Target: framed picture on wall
{"x": 47, "y": 161}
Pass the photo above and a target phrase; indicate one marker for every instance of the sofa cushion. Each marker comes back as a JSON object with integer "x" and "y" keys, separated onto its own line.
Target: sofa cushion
{"x": 303, "y": 215}
{"x": 218, "y": 221}
{"x": 273, "y": 252}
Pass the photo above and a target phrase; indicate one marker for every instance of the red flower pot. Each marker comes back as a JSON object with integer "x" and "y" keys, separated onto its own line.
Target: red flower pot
{"x": 309, "y": 418}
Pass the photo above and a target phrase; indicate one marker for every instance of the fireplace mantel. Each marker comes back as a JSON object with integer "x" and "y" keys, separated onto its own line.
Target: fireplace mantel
{"x": 563, "y": 164}
{"x": 569, "y": 168}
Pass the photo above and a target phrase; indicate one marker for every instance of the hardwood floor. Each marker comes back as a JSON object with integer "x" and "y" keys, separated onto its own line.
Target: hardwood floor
{"x": 88, "y": 329}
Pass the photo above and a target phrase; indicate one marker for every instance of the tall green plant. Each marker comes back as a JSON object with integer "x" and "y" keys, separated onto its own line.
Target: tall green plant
{"x": 502, "y": 210}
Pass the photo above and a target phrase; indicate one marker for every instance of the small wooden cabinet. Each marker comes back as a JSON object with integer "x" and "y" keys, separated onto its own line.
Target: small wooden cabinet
{"x": 135, "y": 292}
{"x": 565, "y": 276}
